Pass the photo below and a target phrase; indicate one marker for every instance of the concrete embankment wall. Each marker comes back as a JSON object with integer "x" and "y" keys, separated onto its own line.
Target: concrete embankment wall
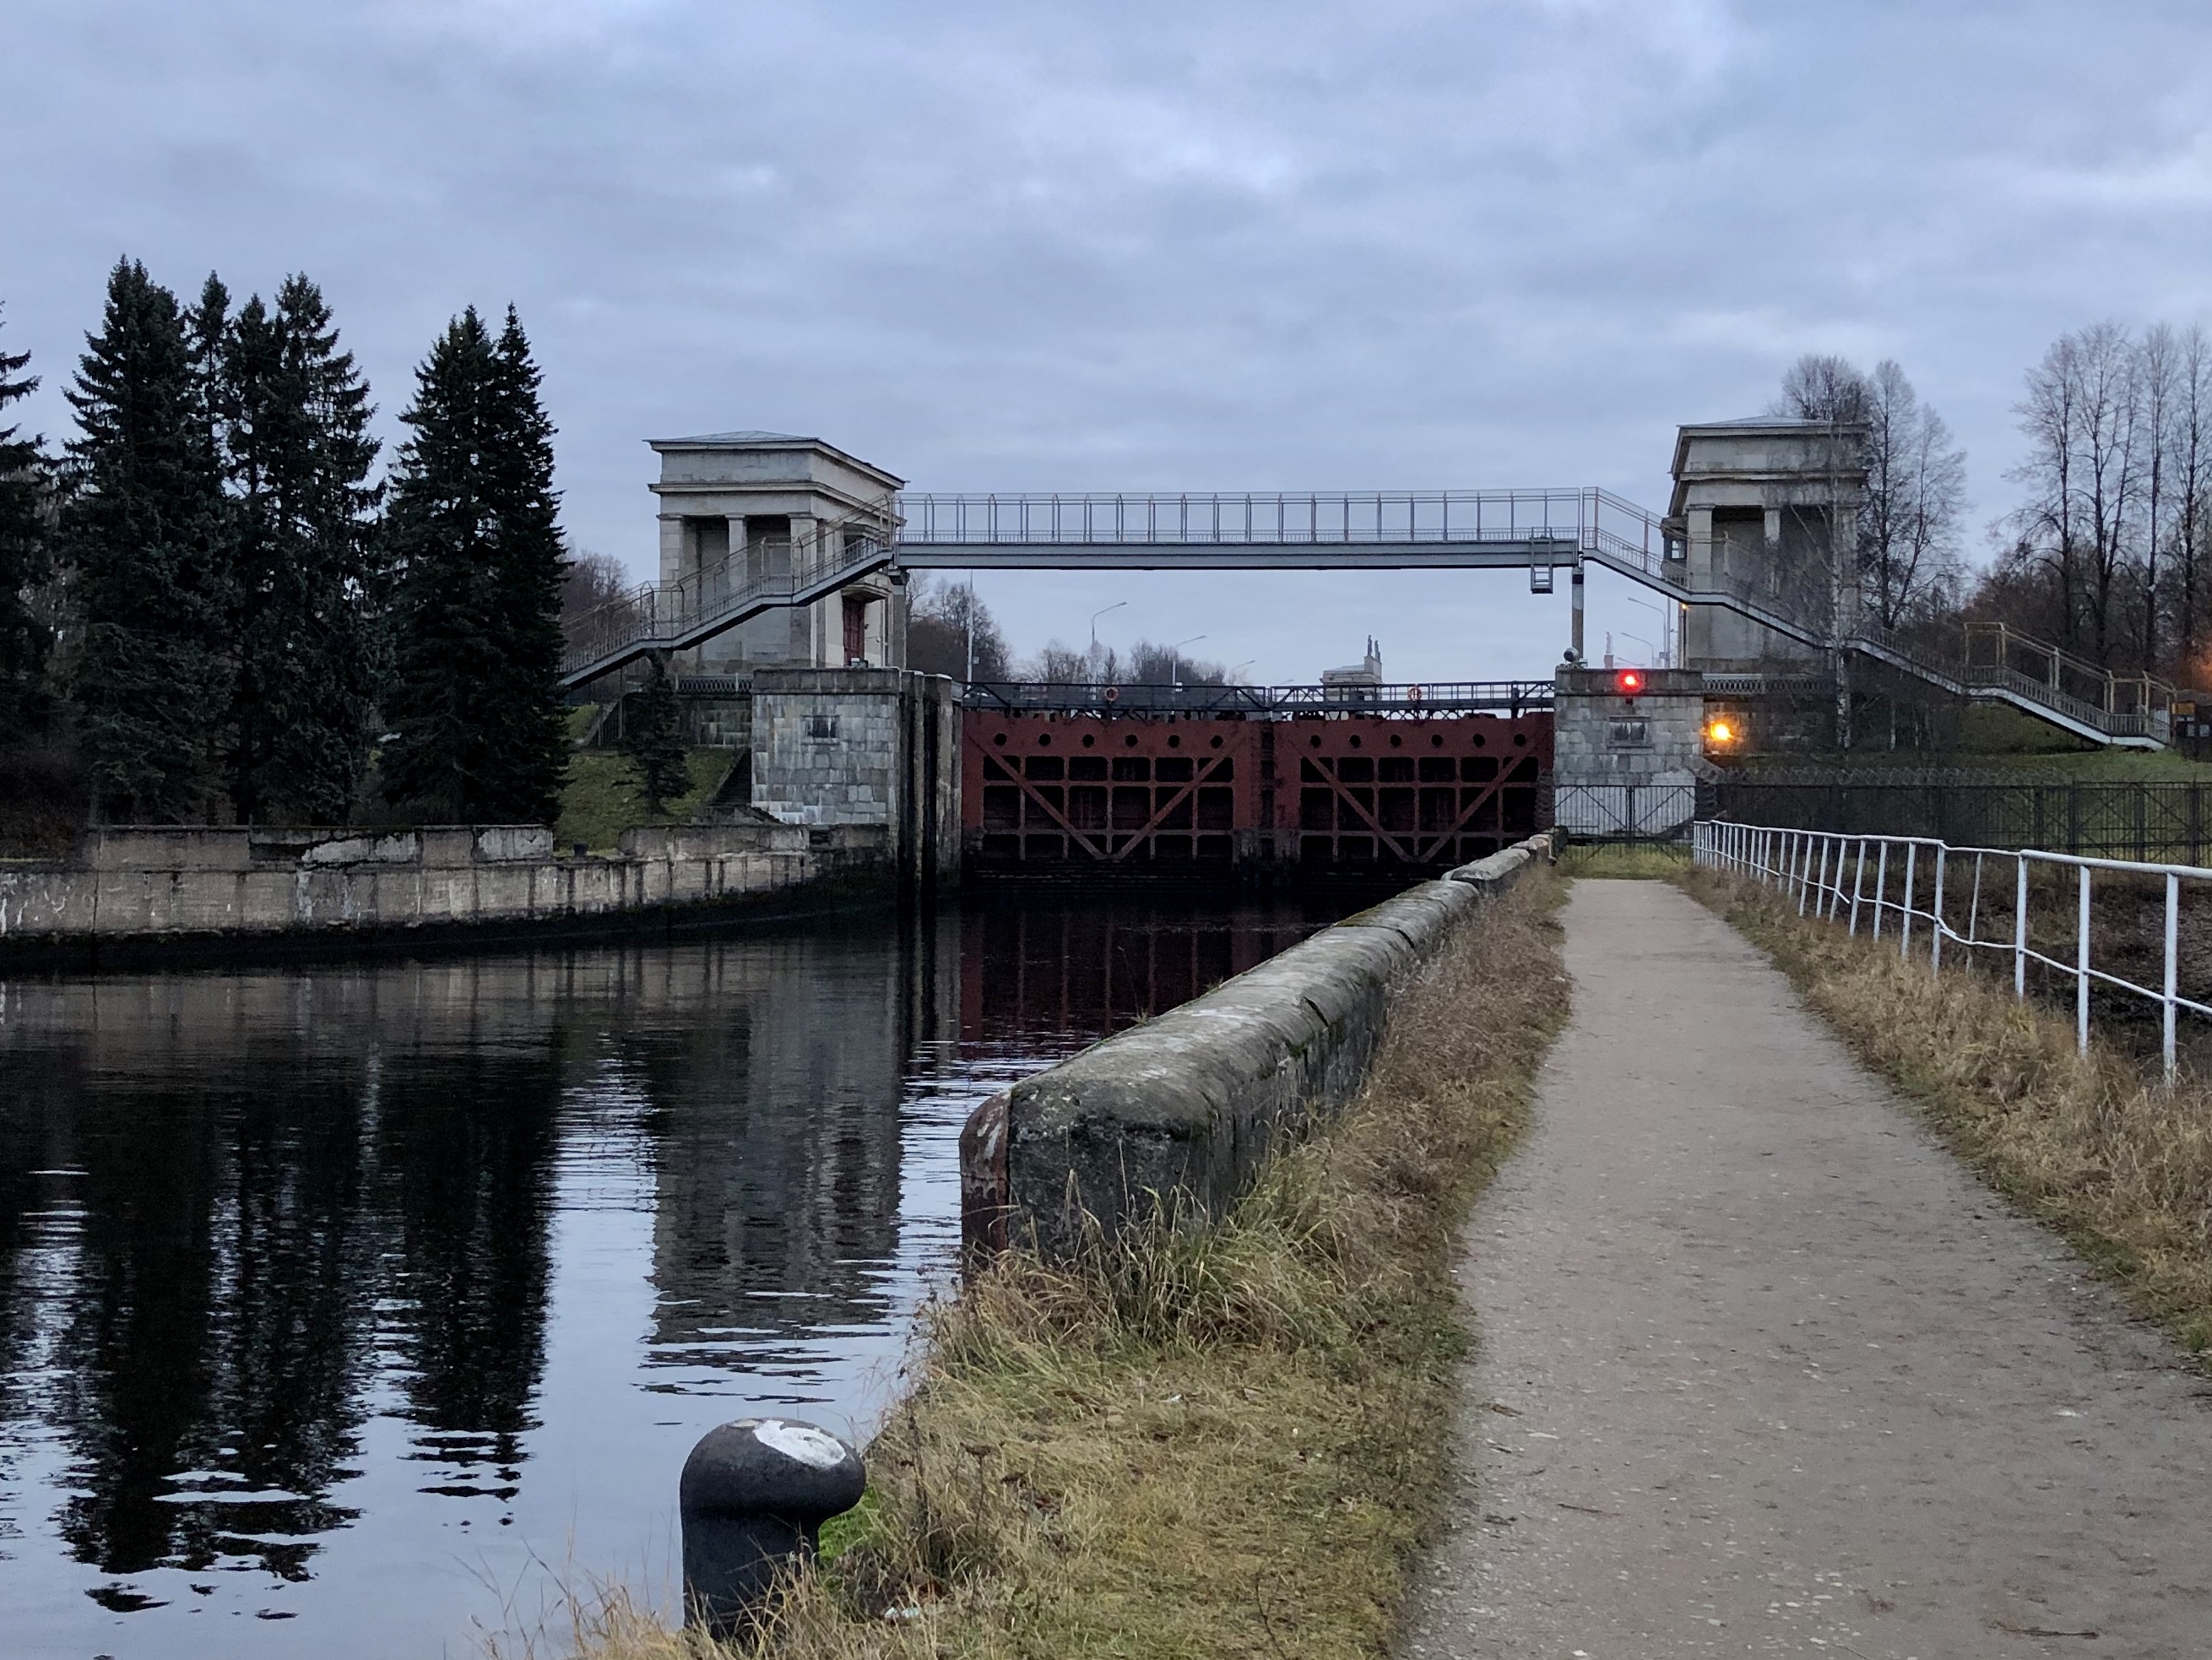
{"x": 1183, "y": 1109}
{"x": 148, "y": 885}
{"x": 863, "y": 746}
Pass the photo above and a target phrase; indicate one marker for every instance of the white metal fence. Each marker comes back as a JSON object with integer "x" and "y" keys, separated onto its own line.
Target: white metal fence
{"x": 1903, "y": 883}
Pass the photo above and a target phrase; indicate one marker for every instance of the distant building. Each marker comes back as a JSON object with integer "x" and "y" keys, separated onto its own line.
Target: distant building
{"x": 1357, "y": 683}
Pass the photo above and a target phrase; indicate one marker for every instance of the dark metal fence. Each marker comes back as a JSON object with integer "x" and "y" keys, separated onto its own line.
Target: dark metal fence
{"x": 1624, "y": 812}
{"x": 2168, "y": 822}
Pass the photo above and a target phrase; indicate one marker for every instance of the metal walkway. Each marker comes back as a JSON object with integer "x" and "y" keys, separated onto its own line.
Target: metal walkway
{"x": 1535, "y": 530}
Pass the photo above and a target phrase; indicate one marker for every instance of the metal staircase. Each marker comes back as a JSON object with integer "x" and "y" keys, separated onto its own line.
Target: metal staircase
{"x": 657, "y": 618}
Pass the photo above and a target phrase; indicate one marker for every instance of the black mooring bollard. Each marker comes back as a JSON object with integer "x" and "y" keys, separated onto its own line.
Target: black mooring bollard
{"x": 754, "y": 1496}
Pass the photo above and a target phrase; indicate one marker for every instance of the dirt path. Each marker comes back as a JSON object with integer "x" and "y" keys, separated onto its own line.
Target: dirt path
{"x": 1764, "y": 1371}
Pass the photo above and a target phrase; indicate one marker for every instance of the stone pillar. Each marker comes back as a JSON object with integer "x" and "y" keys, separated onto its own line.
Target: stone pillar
{"x": 744, "y": 560}
{"x": 806, "y": 621}
{"x": 895, "y": 621}
{"x": 1704, "y": 553}
{"x": 672, "y": 549}
{"x": 806, "y": 539}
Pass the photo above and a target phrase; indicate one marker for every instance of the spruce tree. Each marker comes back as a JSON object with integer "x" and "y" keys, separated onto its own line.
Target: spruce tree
{"x": 298, "y": 453}
{"x": 472, "y": 530}
{"x": 26, "y": 703}
{"x": 653, "y": 739}
{"x": 147, "y": 531}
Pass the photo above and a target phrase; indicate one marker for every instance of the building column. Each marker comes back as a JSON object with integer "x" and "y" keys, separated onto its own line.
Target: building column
{"x": 895, "y": 615}
{"x": 743, "y": 562}
{"x": 672, "y": 549}
{"x": 1703, "y": 555}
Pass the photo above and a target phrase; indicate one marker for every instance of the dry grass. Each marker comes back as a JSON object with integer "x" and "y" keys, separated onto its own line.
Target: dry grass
{"x": 1632, "y": 861}
{"x": 2097, "y": 1146}
{"x": 1203, "y": 1441}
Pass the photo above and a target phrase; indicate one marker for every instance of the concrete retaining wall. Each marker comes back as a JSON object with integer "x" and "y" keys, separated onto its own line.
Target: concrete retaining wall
{"x": 862, "y": 747}
{"x": 152, "y": 885}
{"x": 1184, "y": 1107}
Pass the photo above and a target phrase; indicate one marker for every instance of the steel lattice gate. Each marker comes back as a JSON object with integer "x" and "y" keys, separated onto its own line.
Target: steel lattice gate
{"x": 1329, "y": 792}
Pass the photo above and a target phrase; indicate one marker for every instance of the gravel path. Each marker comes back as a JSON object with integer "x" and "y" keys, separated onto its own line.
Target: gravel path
{"x": 1763, "y": 1370}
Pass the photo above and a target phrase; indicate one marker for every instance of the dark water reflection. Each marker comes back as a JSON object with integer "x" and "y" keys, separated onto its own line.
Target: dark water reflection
{"x": 350, "y": 1308}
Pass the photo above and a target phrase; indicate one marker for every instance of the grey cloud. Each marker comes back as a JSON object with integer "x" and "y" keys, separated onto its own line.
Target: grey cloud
{"x": 1233, "y": 246}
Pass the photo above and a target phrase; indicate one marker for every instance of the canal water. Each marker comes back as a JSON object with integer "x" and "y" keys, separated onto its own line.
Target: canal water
{"x": 354, "y": 1309}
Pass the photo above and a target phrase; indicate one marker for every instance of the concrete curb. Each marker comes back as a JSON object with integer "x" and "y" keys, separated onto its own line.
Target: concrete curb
{"x": 1180, "y": 1111}
{"x": 1501, "y": 870}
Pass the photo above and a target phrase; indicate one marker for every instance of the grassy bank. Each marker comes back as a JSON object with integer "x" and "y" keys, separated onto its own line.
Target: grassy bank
{"x": 2098, "y": 1147}
{"x": 601, "y": 801}
{"x": 1216, "y": 1441}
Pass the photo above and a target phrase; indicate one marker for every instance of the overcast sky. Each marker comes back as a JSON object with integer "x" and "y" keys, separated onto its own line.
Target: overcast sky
{"x": 1153, "y": 243}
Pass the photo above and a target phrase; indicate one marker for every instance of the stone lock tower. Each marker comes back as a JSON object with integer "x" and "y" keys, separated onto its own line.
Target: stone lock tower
{"x": 742, "y": 509}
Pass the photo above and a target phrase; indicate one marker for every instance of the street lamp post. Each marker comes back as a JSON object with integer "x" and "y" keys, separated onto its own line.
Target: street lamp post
{"x": 1175, "y": 658}
{"x": 1096, "y": 615}
{"x": 1663, "y": 641}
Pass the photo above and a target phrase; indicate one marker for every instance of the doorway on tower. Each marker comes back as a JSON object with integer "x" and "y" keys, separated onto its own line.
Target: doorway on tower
{"x": 856, "y": 631}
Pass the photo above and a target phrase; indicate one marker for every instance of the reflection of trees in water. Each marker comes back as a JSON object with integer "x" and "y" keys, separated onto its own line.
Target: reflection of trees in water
{"x": 212, "y": 1322}
{"x": 293, "y": 1184}
{"x": 247, "y": 1198}
{"x": 466, "y": 1139}
{"x": 294, "y": 1181}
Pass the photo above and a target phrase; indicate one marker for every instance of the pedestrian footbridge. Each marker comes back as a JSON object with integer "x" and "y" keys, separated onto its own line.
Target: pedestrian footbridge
{"x": 1742, "y": 553}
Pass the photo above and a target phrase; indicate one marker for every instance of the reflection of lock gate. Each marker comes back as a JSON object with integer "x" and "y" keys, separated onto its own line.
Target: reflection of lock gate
{"x": 1341, "y": 792}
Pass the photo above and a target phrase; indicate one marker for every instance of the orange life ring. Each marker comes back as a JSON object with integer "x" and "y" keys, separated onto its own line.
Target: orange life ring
{"x": 1412, "y": 694}
{"x": 1113, "y": 694}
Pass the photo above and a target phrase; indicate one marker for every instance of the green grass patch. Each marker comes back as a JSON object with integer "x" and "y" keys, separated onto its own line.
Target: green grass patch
{"x": 601, "y": 798}
{"x": 1629, "y": 860}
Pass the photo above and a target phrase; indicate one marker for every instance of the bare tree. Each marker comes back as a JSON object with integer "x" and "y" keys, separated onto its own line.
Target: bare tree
{"x": 592, "y": 580}
{"x": 1059, "y": 663}
{"x": 950, "y": 631}
{"x": 1907, "y": 548}
{"x": 1821, "y": 386}
{"x": 1157, "y": 665}
{"x": 1915, "y": 494}
{"x": 2187, "y": 465}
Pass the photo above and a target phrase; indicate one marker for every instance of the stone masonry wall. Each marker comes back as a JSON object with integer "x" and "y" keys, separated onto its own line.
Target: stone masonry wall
{"x": 862, "y": 747}
{"x": 1600, "y": 736}
{"x": 160, "y": 883}
{"x": 1624, "y": 764}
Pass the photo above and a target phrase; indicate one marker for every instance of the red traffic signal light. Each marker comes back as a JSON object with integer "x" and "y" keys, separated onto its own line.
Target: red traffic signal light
{"x": 1628, "y": 682}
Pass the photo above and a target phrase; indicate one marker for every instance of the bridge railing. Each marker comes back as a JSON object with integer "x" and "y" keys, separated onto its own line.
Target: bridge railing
{"x": 1513, "y": 697}
{"x": 1578, "y": 519}
{"x": 1982, "y": 900}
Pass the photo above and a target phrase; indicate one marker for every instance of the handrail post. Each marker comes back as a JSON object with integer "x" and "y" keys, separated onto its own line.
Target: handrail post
{"x": 2019, "y": 931}
{"x": 1880, "y": 887}
{"x": 1905, "y": 928}
{"x": 1935, "y": 924}
{"x": 1859, "y": 886}
{"x": 2081, "y": 968}
{"x": 2173, "y": 934}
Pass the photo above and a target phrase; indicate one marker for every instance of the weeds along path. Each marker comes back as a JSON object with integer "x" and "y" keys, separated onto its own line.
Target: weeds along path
{"x": 1763, "y": 1370}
